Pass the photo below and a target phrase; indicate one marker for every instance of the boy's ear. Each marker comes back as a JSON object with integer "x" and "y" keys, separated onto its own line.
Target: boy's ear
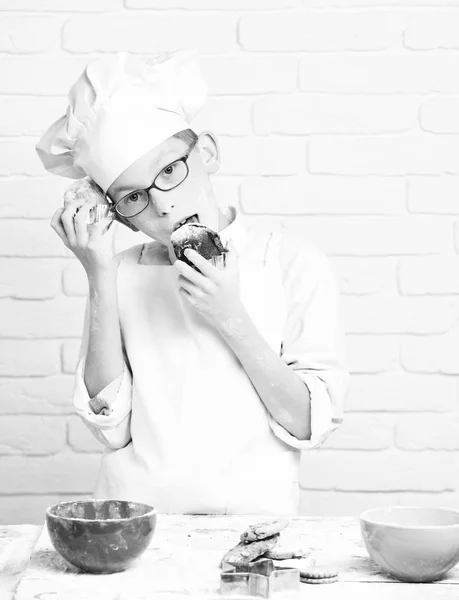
{"x": 125, "y": 222}
{"x": 209, "y": 150}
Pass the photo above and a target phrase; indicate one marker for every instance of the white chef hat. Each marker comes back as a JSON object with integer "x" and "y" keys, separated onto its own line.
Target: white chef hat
{"x": 119, "y": 109}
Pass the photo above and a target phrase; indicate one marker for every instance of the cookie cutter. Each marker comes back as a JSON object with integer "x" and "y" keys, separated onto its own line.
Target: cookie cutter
{"x": 219, "y": 261}
{"x": 260, "y": 578}
{"x": 99, "y": 212}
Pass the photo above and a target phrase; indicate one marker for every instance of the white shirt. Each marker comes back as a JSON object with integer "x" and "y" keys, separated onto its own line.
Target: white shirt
{"x": 185, "y": 430}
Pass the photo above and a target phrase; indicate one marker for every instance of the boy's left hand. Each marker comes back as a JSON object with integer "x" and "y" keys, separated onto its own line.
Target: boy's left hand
{"x": 214, "y": 292}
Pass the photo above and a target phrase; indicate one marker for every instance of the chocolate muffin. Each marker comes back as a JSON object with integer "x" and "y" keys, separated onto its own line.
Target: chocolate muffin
{"x": 201, "y": 238}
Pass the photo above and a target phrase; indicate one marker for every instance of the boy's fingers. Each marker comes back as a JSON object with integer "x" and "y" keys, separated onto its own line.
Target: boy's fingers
{"x": 55, "y": 219}
{"x": 81, "y": 225}
{"x": 56, "y": 224}
{"x": 67, "y": 220}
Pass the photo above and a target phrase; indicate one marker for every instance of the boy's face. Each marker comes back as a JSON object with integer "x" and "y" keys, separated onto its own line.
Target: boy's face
{"x": 166, "y": 208}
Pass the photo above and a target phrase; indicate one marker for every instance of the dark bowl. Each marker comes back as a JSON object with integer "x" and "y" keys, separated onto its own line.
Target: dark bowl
{"x": 101, "y": 536}
{"x": 412, "y": 543}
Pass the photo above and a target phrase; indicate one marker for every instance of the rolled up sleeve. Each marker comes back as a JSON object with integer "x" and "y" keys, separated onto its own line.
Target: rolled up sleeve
{"x": 107, "y": 415}
{"x": 313, "y": 341}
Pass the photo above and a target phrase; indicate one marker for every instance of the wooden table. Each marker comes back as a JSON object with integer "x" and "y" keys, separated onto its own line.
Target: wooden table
{"x": 182, "y": 562}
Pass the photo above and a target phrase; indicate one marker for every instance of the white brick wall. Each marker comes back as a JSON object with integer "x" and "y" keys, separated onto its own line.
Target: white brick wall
{"x": 338, "y": 121}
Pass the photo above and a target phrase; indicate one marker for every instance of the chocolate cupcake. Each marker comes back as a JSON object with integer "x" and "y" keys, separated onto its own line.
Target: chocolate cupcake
{"x": 201, "y": 238}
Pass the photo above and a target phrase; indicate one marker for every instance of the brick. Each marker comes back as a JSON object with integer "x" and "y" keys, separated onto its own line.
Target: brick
{"x": 341, "y": 504}
{"x": 401, "y": 392}
{"x": 30, "y": 238}
{"x": 29, "y": 115}
{"x": 146, "y": 33}
{"x": 20, "y": 510}
{"x": 36, "y": 279}
{"x": 37, "y": 395}
{"x": 431, "y": 354}
{"x": 64, "y": 472}
{"x": 337, "y": 113}
{"x": 372, "y": 236}
{"x": 49, "y": 75}
{"x": 426, "y": 499}
{"x": 56, "y": 318}
{"x": 29, "y": 35}
{"x": 32, "y": 198}
{"x": 70, "y": 354}
{"x": 371, "y": 3}
{"x": 29, "y": 357}
{"x": 225, "y": 116}
{"x": 385, "y": 73}
{"x": 60, "y": 5}
{"x": 363, "y": 276}
{"x": 389, "y": 313}
{"x": 372, "y": 353}
{"x": 433, "y": 195}
{"x": 257, "y": 156}
{"x": 352, "y": 504}
{"x": 211, "y": 4}
{"x": 431, "y": 29}
{"x": 429, "y": 275}
{"x": 18, "y": 157}
{"x": 308, "y": 30}
{"x": 391, "y": 155}
{"x": 75, "y": 280}
{"x": 384, "y": 471}
{"x": 80, "y": 438}
{"x": 362, "y": 432}
{"x": 323, "y": 194}
{"x": 241, "y": 75}
{"x": 31, "y": 435}
{"x": 440, "y": 115}
{"x": 427, "y": 432}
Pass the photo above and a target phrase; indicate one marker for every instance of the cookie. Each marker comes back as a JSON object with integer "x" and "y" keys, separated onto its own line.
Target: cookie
{"x": 319, "y": 573}
{"x": 244, "y": 553}
{"x": 280, "y": 553}
{"x": 263, "y": 530}
{"x": 318, "y": 581}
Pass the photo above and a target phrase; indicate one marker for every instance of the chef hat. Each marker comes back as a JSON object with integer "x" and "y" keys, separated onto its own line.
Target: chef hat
{"x": 119, "y": 109}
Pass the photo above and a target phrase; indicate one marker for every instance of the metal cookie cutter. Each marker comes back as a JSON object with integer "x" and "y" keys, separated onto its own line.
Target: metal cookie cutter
{"x": 260, "y": 578}
{"x": 99, "y": 212}
{"x": 219, "y": 261}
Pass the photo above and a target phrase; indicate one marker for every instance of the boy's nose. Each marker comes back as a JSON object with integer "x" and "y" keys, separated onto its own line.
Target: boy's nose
{"x": 162, "y": 204}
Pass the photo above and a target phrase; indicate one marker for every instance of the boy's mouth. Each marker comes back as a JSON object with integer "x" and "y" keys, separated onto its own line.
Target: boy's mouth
{"x": 191, "y": 219}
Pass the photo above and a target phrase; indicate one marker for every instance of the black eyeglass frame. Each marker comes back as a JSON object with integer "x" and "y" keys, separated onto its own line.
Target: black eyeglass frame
{"x": 184, "y": 159}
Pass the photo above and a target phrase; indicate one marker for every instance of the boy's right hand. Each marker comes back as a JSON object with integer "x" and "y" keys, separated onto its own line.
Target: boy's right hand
{"x": 89, "y": 243}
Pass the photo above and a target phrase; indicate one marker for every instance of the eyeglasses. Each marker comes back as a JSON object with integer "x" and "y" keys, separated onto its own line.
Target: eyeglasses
{"x": 170, "y": 177}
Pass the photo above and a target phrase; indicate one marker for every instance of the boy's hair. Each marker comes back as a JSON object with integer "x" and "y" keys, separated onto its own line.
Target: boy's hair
{"x": 187, "y": 135}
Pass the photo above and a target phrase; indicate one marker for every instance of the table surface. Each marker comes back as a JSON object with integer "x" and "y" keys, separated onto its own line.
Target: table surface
{"x": 183, "y": 562}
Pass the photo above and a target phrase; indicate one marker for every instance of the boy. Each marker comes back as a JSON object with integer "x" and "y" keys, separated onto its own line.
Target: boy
{"x": 204, "y": 386}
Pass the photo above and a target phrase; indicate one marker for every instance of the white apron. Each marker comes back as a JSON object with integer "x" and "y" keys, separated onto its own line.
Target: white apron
{"x": 202, "y": 439}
